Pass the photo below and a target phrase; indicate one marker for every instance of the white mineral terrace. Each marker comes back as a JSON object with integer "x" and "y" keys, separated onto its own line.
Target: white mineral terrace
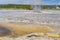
{"x": 29, "y": 37}
{"x": 29, "y": 16}
{"x": 33, "y": 38}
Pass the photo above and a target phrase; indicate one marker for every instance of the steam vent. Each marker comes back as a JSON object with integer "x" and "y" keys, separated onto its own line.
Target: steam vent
{"x": 4, "y": 31}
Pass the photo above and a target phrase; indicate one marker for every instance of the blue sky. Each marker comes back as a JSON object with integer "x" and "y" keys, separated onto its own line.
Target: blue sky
{"x": 50, "y": 2}
{"x": 38, "y": 2}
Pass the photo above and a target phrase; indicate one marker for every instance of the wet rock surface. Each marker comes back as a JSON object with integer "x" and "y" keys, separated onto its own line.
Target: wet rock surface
{"x": 4, "y": 31}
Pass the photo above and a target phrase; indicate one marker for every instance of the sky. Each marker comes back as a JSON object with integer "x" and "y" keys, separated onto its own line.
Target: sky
{"x": 34, "y": 2}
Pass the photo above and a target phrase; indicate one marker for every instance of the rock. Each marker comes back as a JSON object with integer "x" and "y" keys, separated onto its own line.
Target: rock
{"x": 4, "y": 31}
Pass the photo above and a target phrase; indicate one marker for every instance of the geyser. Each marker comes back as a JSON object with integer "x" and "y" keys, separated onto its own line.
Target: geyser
{"x": 36, "y": 5}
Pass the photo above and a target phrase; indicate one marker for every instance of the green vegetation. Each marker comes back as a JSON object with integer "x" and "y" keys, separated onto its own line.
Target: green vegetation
{"x": 53, "y": 7}
{"x": 15, "y": 6}
{"x": 28, "y": 7}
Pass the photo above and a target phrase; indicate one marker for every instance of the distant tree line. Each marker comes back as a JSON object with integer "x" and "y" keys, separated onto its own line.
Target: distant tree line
{"x": 28, "y": 7}
{"x": 54, "y": 7}
{"x": 15, "y": 6}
